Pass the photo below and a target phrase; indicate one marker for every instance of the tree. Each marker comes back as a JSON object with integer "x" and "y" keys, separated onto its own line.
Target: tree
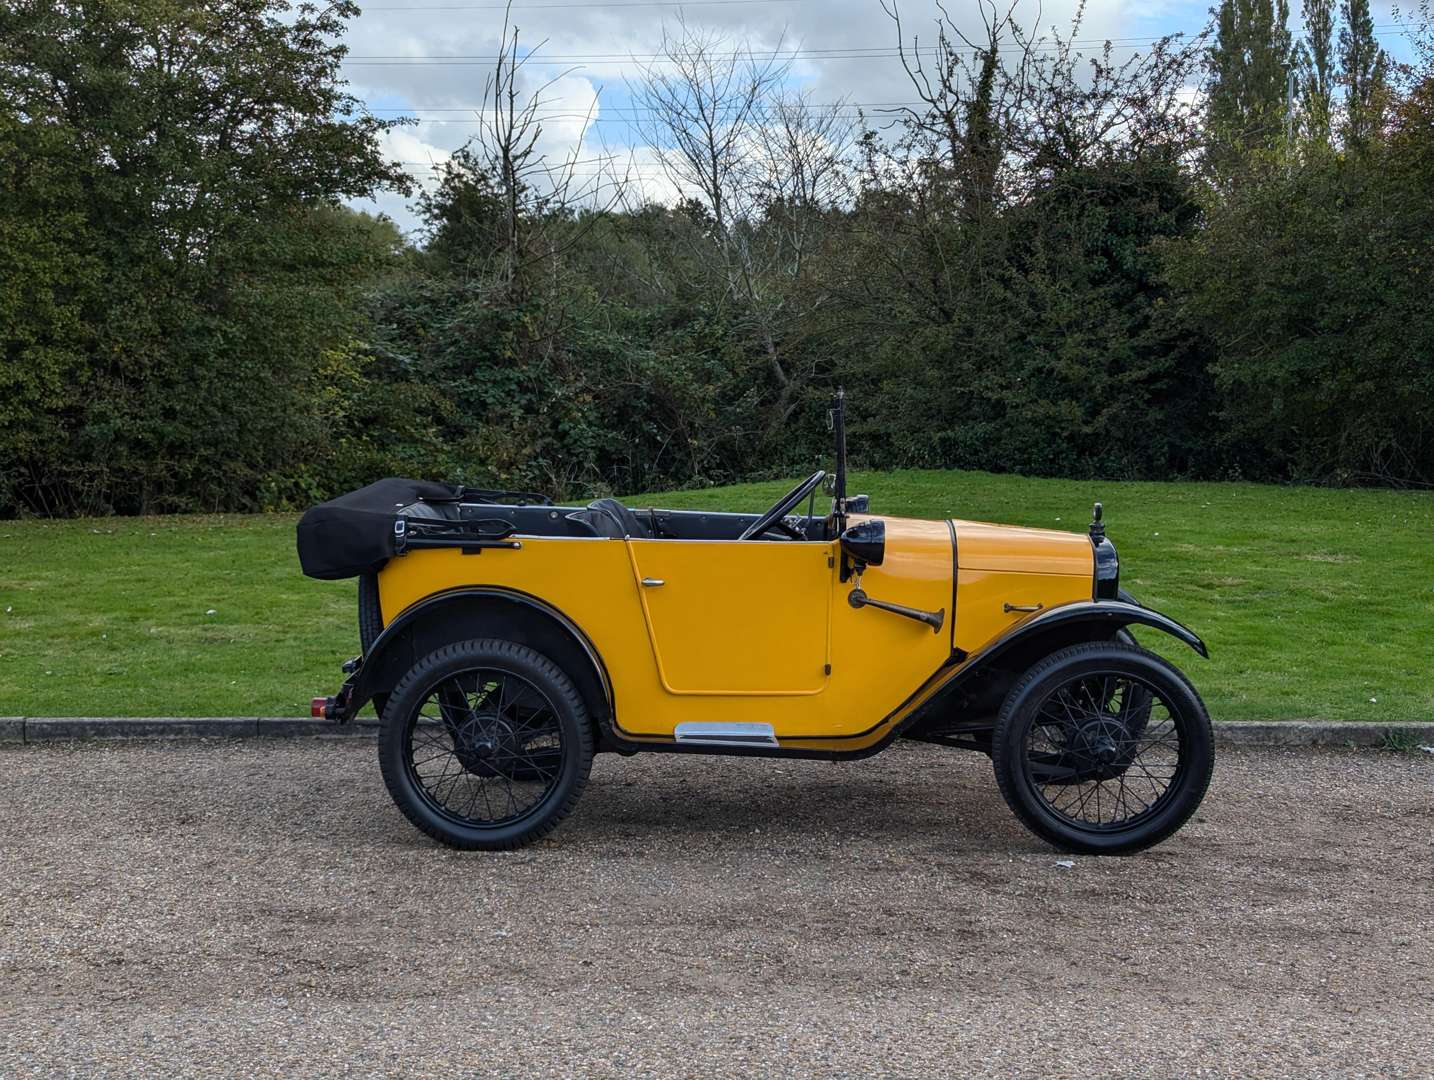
{"x": 970, "y": 96}
{"x": 49, "y": 273}
{"x": 1030, "y": 328}
{"x": 503, "y": 209}
{"x": 189, "y": 155}
{"x": 1312, "y": 284}
{"x": 702, "y": 110}
{"x": 1317, "y": 70}
{"x": 1248, "y": 64}
{"x": 760, "y": 166}
{"x": 1364, "y": 70}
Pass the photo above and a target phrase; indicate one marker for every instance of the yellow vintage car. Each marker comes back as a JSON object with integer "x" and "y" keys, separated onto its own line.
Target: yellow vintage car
{"x": 506, "y": 640}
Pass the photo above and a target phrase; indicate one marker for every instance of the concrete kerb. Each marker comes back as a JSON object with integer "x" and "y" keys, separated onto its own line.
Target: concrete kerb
{"x": 49, "y": 729}
{"x": 38, "y": 729}
{"x": 1351, "y": 733}
{"x": 34, "y": 729}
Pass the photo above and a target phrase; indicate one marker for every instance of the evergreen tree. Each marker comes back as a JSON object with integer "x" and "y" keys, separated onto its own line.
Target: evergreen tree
{"x": 1364, "y": 71}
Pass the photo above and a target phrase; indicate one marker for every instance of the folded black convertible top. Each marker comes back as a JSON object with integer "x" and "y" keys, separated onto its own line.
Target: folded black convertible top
{"x": 354, "y": 534}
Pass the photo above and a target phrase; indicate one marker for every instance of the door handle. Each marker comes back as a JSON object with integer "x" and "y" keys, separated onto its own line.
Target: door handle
{"x": 653, "y": 583}
{"x": 1008, "y": 608}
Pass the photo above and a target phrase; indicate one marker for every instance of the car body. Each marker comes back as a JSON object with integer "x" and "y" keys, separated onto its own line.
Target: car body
{"x": 777, "y": 635}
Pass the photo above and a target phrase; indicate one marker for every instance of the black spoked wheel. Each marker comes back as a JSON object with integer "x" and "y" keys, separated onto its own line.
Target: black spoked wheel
{"x": 1103, "y": 748}
{"x": 485, "y": 744}
{"x": 494, "y": 724}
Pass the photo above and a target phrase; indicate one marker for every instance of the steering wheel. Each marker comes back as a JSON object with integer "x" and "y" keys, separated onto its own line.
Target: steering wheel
{"x": 784, "y": 505}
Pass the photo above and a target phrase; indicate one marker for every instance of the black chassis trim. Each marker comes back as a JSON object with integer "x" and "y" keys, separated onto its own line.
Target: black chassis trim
{"x": 1113, "y": 615}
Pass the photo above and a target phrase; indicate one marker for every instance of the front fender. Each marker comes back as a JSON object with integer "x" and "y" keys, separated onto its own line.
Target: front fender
{"x": 1115, "y": 614}
{"x": 978, "y": 683}
{"x": 1086, "y": 620}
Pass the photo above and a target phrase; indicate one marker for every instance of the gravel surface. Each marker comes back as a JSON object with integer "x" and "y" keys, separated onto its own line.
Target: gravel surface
{"x": 263, "y": 909}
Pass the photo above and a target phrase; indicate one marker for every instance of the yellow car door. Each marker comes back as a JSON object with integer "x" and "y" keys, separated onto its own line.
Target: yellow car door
{"x": 737, "y": 617}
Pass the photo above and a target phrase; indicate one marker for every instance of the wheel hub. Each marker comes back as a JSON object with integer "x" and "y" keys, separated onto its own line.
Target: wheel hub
{"x": 482, "y": 736}
{"x": 1100, "y": 741}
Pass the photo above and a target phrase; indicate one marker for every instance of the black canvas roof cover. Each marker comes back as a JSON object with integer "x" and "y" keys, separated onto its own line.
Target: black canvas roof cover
{"x": 353, "y": 534}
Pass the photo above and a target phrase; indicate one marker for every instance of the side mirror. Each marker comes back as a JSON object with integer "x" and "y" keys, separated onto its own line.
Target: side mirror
{"x": 862, "y": 545}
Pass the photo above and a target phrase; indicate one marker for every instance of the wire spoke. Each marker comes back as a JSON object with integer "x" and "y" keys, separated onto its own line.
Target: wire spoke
{"x": 1096, "y": 742}
{"x": 495, "y": 733}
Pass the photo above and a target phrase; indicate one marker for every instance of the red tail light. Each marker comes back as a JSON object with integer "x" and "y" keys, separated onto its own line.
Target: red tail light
{"x": 319, "y": 707}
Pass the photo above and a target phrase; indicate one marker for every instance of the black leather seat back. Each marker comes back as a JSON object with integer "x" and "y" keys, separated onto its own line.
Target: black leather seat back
{"x": 596, "y": 523}
{"x": 627, "y": 522}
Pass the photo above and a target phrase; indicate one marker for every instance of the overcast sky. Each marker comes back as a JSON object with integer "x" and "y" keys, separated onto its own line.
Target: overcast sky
{"x": 431, "y": 59}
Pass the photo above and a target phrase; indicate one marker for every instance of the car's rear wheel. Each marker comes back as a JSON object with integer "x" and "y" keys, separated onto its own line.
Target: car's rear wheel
{"x": 485, "y": 745}
{"x": 1103, "y": 748}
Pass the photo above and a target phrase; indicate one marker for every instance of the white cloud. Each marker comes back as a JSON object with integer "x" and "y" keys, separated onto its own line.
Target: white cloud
{"x": 612, "y": 36}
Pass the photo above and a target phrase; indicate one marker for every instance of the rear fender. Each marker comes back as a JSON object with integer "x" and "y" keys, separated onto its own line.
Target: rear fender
{"x": 468, "y": 613}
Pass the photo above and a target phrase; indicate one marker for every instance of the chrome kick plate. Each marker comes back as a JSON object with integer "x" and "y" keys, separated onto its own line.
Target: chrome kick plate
{"x": 708, "y": 733}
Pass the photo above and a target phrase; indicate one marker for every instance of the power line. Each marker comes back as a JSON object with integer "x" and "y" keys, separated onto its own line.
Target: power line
{"x": 569, "y": 6}
{"x": 653, "y": 170}
{"x": 629, "y": 114}
{"x": 583, "y": 62}
{"x": 815, "y": 55}
{"x": 851, "y": 110}
{"x": 878, "y": 53}
{"x": 643, "y": 110}
{"x": 564, "y": 116}
{"x": 551, "y": 165}
{"x": 741, "y": 54}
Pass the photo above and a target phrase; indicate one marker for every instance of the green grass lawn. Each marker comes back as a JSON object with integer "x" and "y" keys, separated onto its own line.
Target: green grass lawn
{"x": 1314, "y": 602}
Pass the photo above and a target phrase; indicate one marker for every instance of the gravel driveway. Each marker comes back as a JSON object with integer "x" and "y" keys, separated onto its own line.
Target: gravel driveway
{"x": 262, "y": 909}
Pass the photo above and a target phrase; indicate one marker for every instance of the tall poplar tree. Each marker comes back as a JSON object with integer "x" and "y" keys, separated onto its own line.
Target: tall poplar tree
{"x": 1317, "y": 70}
{"x": 1364, "y": 74}
{"x": 1248, "y": 64}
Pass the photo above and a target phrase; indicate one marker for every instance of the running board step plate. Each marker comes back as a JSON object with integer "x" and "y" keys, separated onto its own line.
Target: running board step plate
{"x": 706, "y": 733}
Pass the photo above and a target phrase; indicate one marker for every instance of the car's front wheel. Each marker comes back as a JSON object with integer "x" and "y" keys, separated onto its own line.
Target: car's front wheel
{"x": 1103, "y": 748}
{"x": 485, "y": 745}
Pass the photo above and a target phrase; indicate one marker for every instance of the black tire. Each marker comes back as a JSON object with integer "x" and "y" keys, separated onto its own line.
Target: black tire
{"x": 370, "y": 614}
{"x": 455, "y": 806}
{"x": 1053, "y": 753}
{"x": 370, "y": 624}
